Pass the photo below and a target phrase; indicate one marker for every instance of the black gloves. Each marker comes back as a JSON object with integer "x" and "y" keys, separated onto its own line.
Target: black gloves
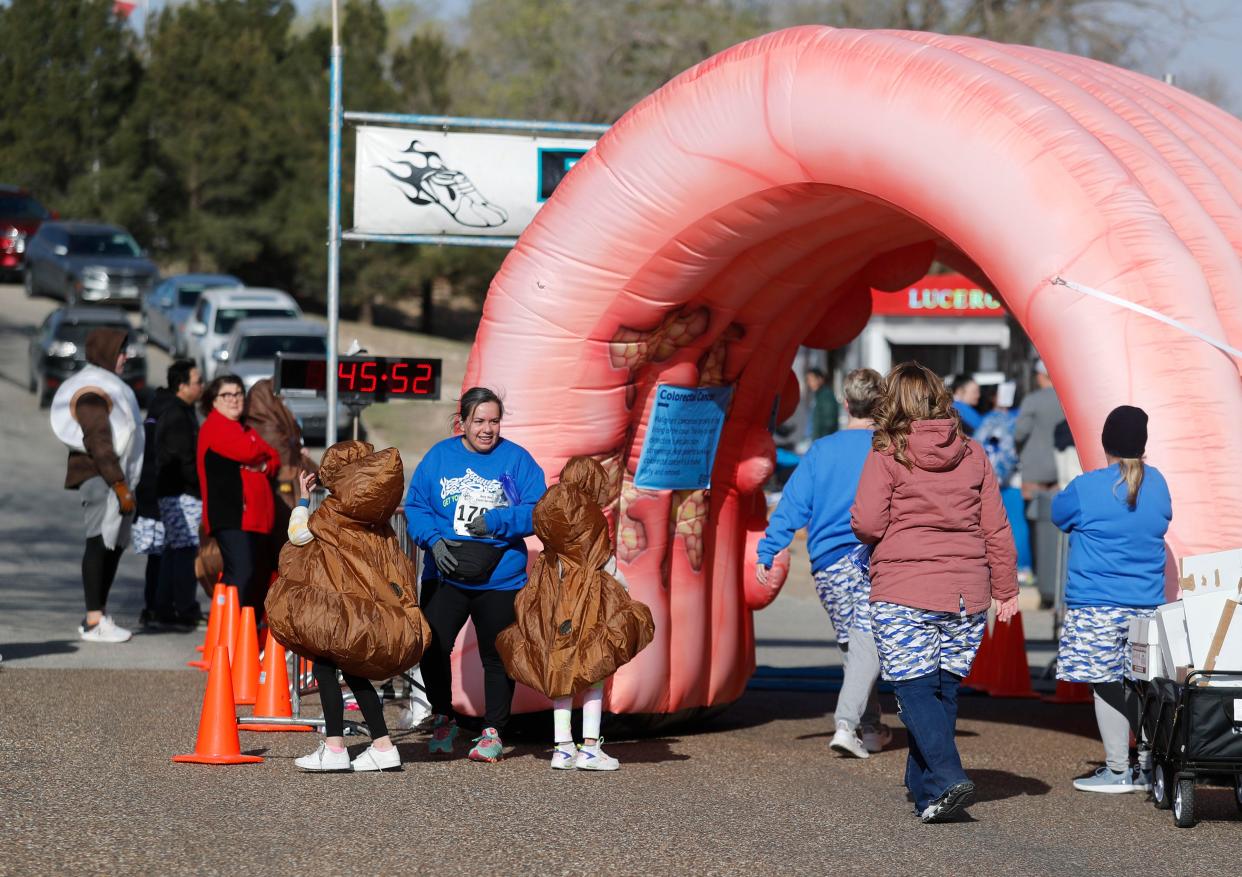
{"x": 477, "y": 526}
{"x": 442, "y": 551}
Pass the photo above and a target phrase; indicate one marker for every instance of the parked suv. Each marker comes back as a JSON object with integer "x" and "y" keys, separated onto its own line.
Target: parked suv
{"x": 169, "y": 307}
{"x": 219, "y": 310}
{"x": 58, "y": 349}
{"x": 251, "y": 355}
{"x": 87, "y": 262}
{"x": 20, "y": 217}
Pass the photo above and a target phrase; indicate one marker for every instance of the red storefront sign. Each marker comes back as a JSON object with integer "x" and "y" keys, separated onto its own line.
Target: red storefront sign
{"x": 938, "y": 295}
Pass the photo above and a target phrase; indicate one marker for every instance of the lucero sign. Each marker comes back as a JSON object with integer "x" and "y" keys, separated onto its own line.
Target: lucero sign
{"x": 938, "y": 295}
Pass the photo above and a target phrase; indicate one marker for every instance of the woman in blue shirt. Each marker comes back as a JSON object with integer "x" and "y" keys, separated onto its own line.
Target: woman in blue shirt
{"x": 469, "y": 505}
{"x": 1116, "y": 518}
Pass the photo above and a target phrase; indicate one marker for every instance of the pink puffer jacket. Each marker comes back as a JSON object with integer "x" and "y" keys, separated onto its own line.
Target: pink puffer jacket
{"x": 939, "y": 529}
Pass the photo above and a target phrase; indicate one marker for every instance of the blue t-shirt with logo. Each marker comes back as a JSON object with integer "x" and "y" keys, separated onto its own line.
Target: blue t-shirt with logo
{"x": 454, "y": 484}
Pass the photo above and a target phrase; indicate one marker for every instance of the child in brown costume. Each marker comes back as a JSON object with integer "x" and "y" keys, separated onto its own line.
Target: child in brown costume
{"x": 576, "y": 623}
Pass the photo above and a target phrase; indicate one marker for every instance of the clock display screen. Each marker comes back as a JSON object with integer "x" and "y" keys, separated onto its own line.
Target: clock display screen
{"x": 374, "y": 377}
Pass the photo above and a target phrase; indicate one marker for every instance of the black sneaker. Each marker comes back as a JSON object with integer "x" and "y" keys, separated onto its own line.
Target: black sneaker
{"x": 955, "y": 799}
{"x": 147, "y": 619}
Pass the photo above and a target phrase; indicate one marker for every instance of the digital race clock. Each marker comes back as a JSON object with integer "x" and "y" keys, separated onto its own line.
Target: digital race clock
{"x": 375, "y": 378}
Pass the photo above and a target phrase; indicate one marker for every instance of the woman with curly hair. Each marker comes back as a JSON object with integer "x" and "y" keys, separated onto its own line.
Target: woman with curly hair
{"x": 942, "y": 551}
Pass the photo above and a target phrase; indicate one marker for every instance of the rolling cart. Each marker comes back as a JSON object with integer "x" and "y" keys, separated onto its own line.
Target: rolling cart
{"x": 1194, "y": 730}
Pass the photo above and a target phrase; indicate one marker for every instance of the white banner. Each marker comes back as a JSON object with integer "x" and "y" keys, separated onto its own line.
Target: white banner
{"x": 410, "y": 181}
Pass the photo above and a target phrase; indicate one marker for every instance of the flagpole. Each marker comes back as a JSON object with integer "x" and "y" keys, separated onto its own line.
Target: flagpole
{"x": 334, "y": 225}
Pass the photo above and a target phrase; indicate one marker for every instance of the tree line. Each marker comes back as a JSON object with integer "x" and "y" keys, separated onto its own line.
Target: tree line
{"x": 206, "y": 133}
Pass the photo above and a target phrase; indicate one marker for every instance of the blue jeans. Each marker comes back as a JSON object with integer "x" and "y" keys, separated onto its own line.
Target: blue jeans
{"x": 928, "y": 708}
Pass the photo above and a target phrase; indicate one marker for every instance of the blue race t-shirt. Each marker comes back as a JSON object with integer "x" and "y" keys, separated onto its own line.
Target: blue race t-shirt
{"x": 1117, "y": 554}
{"x": 453, "y": 484}
{"x": 818, "y": 496}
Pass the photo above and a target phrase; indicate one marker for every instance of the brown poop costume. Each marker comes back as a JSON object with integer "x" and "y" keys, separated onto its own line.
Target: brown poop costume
{"x": 575, "y": 623}
{"x": 349, "y": 596}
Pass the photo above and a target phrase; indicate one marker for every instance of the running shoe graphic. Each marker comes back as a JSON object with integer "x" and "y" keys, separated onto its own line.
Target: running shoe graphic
{"x": 424, "y": 180}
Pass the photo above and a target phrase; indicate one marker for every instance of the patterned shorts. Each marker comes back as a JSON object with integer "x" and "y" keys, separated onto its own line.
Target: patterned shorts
{"x": 181, "y": 515}
{"x": 844, "y": 588}
{"x": 147, "y": 536}
{"x": 916, "y": 642}
{"x": 1094, "y": 643}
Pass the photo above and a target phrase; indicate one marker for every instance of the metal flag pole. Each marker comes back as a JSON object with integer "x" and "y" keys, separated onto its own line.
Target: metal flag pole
{"x": 334, "y": 223}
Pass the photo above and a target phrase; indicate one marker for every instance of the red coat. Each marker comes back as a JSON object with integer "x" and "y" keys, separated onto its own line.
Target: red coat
{"x": 235, "y": 496}
{"x": 939, "y": 530}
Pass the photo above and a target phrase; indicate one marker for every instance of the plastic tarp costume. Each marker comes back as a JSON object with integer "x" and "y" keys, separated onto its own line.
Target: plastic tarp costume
{"x": 350, "y": 595}
{"x": 750, "y": 205}
{"x": 575, "y": 623}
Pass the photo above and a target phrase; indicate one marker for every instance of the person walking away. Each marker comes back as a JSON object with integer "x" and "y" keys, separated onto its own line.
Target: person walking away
{"x": 235, "y": 468}
{"x": 471, "y": 502}
{"x": 818, "y": 496}
{"x": 96, "y": 415}
{"x": 929, "y": 505}
{"x": 178, "y": 495}
{"x": 147, "y": 534}
{"x": 965, "y": 401}
{"x": 825, "y": 411}
{"x": 575, "y": 622}
{"x": 1116, "y": 518}
{"x": 1034, "y": 433}
{"x": 995, "y": 434}
{"x": 346, "y": 597}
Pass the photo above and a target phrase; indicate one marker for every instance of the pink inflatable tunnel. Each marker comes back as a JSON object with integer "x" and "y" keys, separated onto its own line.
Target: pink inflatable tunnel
{"x": 749, "y": 206}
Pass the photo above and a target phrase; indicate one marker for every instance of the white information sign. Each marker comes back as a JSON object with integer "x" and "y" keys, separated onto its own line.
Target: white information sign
{"x": 411, "y": 181}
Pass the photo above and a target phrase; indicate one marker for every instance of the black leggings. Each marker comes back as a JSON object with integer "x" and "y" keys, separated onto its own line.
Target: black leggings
{"x": 333, "y": 701}
{"x": 246, "y": 565}
{"x": 151, "y": 586}
{"x": 446, "y": 608}
{"x": 98, "y": 572}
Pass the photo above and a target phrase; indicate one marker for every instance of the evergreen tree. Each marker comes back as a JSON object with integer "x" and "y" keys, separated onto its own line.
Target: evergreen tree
{"x": 68, "y": 73}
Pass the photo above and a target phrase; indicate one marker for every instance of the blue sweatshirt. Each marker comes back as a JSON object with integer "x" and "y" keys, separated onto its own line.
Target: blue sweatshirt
{"x": 1116, "y": 555}
{"x": 453, "y": 483}
{"x": 818, "y": 496}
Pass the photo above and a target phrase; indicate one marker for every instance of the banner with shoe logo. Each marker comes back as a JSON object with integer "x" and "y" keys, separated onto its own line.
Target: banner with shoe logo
{"x": 412, "y": 181}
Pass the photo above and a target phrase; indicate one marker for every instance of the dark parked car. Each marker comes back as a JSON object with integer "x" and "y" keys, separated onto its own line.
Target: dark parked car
{"x": 58, "y": 349}
{"x": 20, "y": 217}
{"x": 87, "y": 262}
{"x": 168, "y": 307}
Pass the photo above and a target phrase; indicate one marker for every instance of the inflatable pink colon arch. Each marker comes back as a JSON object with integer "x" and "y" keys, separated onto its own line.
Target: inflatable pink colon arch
{"x": 750, "y": 205}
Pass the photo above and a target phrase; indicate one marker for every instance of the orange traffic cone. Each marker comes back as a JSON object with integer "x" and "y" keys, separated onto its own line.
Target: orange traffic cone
{"x": 207, "y": 646}
{"x": 273, "y": 701}
{"x": 245, "y": 660}
{"x": 214, "y": 619}
{"x": 1071, "y": 692}
{"x": 218, "y": 742}
{"x": 1011, "y": 676}
{"x": 230, "y": 625}
{"x": 981, "y": 671}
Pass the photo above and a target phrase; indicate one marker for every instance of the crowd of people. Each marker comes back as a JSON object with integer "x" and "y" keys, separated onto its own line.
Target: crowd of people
{"x": 910, "y": 545}
{"x": 908, "y": 534}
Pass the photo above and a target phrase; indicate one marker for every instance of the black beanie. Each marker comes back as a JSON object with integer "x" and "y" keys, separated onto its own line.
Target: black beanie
{"x": 1125, "y": 432}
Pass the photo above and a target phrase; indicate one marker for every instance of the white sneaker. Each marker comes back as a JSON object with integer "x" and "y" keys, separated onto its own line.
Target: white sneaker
{"x": 378, "y": 759}
{"x": 106, "y": 631}
{"x": 324, "y": 759}
{"x": 595, "y": 758}
{"x": 875, "y": 739}
{"x": 847, "y": 742}
{"x": 564, "y": 756}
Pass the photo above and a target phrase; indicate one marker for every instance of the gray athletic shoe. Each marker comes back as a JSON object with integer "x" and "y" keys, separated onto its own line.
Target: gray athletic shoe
{"x": 1107, "y": 781}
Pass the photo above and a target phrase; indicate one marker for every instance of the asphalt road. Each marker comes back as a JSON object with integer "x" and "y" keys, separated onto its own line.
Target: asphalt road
{"x": 87, "y": 731}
